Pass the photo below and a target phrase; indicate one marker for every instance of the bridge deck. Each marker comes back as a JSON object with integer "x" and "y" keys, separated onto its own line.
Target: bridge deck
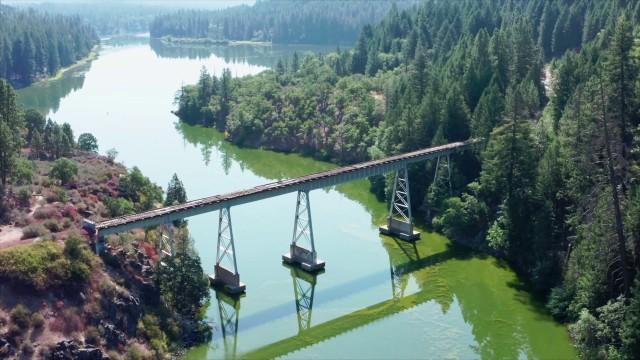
{"x": 308, "y": 182}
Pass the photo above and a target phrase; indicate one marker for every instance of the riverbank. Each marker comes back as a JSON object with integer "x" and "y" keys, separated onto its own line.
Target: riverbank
{"x": 93, "y": 54}
{"x": 170, "y": 40}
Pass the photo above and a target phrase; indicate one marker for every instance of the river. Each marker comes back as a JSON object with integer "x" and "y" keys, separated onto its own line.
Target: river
{"x": 378, "y": 298}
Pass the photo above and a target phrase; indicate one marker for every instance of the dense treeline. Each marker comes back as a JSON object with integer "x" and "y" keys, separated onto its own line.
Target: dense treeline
{"x": 33, "y": 45}
{"x": 108, "y": 18}
{"x": 551, "y": 87}
{"x": 278, "y": 21}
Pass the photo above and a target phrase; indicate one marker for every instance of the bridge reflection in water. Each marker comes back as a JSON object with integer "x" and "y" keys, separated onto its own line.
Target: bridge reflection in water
{"x": 407, "y": 261}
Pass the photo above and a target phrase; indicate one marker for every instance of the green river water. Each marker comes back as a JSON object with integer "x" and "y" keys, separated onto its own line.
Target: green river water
{"x": 377, "y": 299}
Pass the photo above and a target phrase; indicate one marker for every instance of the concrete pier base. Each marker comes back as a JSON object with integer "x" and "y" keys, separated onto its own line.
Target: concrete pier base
{"x": 226, "y": 281}
{"x": 302, "y": 258}
{"x": 400, "y": 229}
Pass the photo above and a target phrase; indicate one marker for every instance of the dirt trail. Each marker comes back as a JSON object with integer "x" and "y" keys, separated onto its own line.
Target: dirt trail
{"x": 11, "y": 236}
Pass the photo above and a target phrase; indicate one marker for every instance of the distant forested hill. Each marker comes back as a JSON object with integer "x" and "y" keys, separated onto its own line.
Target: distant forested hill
{"x": 279, "y": 21}
{"x": 108, "y": 18}
{"x": 34, "y": 44}
{"x": 551, "y": 85}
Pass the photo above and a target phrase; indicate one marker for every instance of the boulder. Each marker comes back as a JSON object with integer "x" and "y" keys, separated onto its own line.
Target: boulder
{"x": 64, "y": 350}
{"x": 123, "y": 311}
{"x": 70, "y": 350}
{"x": 90, "y": 353}
{"x": 112, "y": 335}
{"x": 5, "y": 348}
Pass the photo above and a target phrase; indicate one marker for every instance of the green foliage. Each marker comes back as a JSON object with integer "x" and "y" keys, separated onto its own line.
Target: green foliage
{"x": 35, "y": 44}
{"x": 21, "y": 317}
{"x": 176, "y": 194}
{"x": 308, "y": 22}
{"x": 183, "y": 285}
{"x": 630, "y": 332}
{"x": 10, "y": 127}
{"x": 140, "y": 190}
{"x": 119, "y": 206}
{"x": 46, "y": 265}
{"x": 463, "y": 216}
{"x": 88, "y": 142}
{"x": 598, "y": 337}
{"x": 34, "y": 122}
{"x": 81, "y": 258}
{"x": 35, "y": 230}
{"x": 92, "y": 336}
{"x": 149, "y": 327}
{"x": 23, "y": 172}
{"x": 112, "y": 154}
{"x": 37, "y": 320}
{"x": 64, "y": 170}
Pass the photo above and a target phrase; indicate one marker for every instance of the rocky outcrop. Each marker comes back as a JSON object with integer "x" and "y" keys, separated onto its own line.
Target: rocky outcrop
{"x": 5, "y": 348}
{"x": 123, "y": 311}
{"x": 70, "y": 350}
{"x": 112, "y": 335}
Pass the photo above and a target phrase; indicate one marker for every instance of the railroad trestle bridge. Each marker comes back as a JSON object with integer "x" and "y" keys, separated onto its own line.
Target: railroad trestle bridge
{"x": 302, "y": 251}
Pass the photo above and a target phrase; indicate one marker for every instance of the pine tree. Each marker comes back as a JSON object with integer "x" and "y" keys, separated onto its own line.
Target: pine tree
{"x": 176, "y": 194}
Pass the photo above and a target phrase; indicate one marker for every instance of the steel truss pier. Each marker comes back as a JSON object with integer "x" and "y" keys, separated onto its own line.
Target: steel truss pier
{"x": 229, "y": 310}
{"x": 304, "y": 285}
{"x": 225, "y": 273}
{"x": 302, "y": 251}
{"x": 166, "y": 241}
{"x": 400, "y": 220}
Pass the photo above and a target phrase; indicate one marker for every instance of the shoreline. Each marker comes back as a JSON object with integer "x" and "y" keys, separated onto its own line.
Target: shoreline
{"x": 170, "y": 40}
{"x": 93, "y": 54}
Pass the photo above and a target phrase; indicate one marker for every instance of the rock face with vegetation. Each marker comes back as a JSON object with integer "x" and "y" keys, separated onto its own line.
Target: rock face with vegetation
{"x": 551, "y": 86}
{"x": 58, "y": 300}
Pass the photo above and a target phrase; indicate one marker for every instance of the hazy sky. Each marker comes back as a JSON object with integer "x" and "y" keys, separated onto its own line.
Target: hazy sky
{"x": 207, "y": 4}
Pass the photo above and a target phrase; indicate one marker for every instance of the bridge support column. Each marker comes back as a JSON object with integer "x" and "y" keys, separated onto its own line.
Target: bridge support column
{"x": 304, "y": 285}
{"x": 166, "y": 241}
{"x": 400, "y": 220}
{"x": 226, "y": 269}
{"x": 435, "y": 175}
{"x": 305, "y": 258}
{"x": 229, "y": 311}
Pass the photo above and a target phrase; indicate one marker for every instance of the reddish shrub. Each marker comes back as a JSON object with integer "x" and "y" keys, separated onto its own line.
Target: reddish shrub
{"x": 70, "y": 211}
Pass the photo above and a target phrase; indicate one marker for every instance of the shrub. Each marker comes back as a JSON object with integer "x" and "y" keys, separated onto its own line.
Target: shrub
{"x": 62, "y": 194}
{"x": 113, "y": 355}
{"x": 137, "y": 352}
{"x": 21, "y": 316}
{"x": 92, "y": 336}
{"x": 27, "y": 348}
{"x": 24, "y": 195}
{"x": 3, "y": 321}
{"x": 23, "y": 171}
{"x": 119, "y": 206}
{"x": 66, "y": 223}
{"x": 70, "y": 211}
{"x": 46, "y": 212}
{"x": 53, "y": 225}
{"x": 64, "y": 170}
{"x": 72, "y": 321}
{"x": 45, "y": 265}
{"x": 37, "y": 320}
{"x": 22, "y": 220}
